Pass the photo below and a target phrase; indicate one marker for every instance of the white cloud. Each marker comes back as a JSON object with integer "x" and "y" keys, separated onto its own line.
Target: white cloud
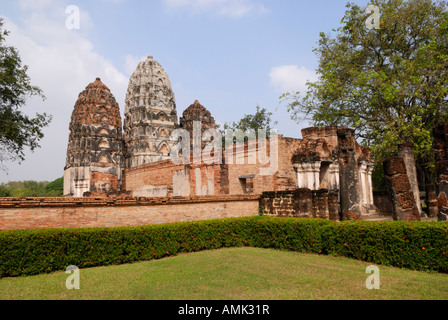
{"x": 34, "y": 4}
{"x": 113, "y": 1}
{"x": 291, "y": 78}
{"x": 232, "y": 8}
{"x": 131, "y": 63}
{"x": 62, "y": 63}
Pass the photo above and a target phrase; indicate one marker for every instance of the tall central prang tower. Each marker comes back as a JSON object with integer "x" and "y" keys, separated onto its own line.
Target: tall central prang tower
{"x": 150, "y": 115}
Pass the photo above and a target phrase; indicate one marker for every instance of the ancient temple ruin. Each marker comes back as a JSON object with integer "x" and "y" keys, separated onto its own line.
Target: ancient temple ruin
{"x": 150, "y": 115}
{"x": 330, "y": 158}
{"x": 203, "y": 118}
{"x": 100, "y": 162}
{"x": 95, "y": 149}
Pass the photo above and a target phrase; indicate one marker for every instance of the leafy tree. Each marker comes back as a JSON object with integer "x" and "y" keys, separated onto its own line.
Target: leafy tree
{"x": 389, "y": 84}
{"x": 32, "y": 188}
{"x": 17, "y": 130}
{"x": 4, "y": 191}
{"x": 261, "y": 119}
{"x": 55, "y": 188}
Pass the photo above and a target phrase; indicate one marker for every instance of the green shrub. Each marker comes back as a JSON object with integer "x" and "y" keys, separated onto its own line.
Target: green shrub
{"x": 418, "y": 246}
{"x": 412, "y": 245}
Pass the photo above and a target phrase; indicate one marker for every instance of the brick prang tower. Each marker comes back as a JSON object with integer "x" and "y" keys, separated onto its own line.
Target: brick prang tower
{"x": 94, "y": 160}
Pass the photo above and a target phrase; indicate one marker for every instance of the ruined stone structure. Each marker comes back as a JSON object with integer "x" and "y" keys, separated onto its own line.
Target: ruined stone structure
{"x": 197, "y": 119}
{"x": 400, "y": 190}
{"x": 322, "y": 161}
{"x": 150, "y": 115}
{"x": 405, "y": 152}
{"x": 197, "y": 112}
{"x": 328, "y": 162}
{"x": 301, "y": 203}
{"x": 330, "y": 158}
{"x": 95, "y": 148}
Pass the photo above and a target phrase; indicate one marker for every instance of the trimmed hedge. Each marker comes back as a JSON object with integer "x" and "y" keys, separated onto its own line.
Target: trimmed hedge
{"x": 413, "y": 245}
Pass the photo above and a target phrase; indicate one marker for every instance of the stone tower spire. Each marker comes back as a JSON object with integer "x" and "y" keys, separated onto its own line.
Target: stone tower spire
{"x": 197, "y": 113}
{"x": 150, "y": 115}
{"x": 95, "y": 148}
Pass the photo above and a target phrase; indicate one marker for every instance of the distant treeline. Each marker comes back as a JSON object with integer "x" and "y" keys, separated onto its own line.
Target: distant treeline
{"x": 32, "y": 188}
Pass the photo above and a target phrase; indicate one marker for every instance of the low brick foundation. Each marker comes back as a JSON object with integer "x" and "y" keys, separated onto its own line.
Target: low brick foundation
{"x": 40, "y": 213}
{"x": 301, "y": 203}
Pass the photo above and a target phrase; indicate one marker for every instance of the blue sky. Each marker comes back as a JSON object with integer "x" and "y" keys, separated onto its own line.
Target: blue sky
{"x": 229, "y": 54}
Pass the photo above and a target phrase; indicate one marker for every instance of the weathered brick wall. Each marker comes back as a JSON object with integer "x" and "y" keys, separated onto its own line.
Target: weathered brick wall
{"x": 208, "y": 179}
{"x": 383, "y": 202}
{"x": 300, "y": 203}
{"x": 156, "y": 179}
{"x": 286, "y": 176}
{"x": 154, "y": 176}
{"x": 38, "y": 213}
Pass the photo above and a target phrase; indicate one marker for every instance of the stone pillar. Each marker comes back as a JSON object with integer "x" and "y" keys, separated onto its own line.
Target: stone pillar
{"x": 405, "y": 152}
{"x": 440, "y": 134}
{"x": 350, "y": 190}
{"x": 333, "y": 179}
{"x": 400, "y": 190}
{"x": 315, "y": 167}
{"x": 370, "y": 168}
{"x": 309, "y": 176}
{"x": 431, "y": 200}
{"x": 363, "y": 176}
{"x": 300, "y": 179}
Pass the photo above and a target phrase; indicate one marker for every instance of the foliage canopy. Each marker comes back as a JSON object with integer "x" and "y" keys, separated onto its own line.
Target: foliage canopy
{"x": 260, "y": 120}
{"x": 17, "y": 130}
{"x": 389, "y": 84}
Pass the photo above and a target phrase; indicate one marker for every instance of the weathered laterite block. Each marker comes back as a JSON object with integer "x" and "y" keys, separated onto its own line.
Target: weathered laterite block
{"x": 405, "y": 207}
{"x": 440, "y": 134}
{"x": 299, "y": 203}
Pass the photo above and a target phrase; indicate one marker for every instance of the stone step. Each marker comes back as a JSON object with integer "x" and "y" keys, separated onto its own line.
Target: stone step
{"x": 373, "y": 215}
{"x": 376, "y": 217}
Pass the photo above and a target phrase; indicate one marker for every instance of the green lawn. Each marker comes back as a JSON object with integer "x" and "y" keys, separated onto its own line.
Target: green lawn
{"x": 233, "y": 274}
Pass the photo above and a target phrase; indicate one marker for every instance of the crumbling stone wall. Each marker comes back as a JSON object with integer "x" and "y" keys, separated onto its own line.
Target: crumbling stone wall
{"x": 431, "y": 200}
{"x": 300, "y": 203}
{"x": 330, "y": 158}
{"x": 400, "y": 190}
